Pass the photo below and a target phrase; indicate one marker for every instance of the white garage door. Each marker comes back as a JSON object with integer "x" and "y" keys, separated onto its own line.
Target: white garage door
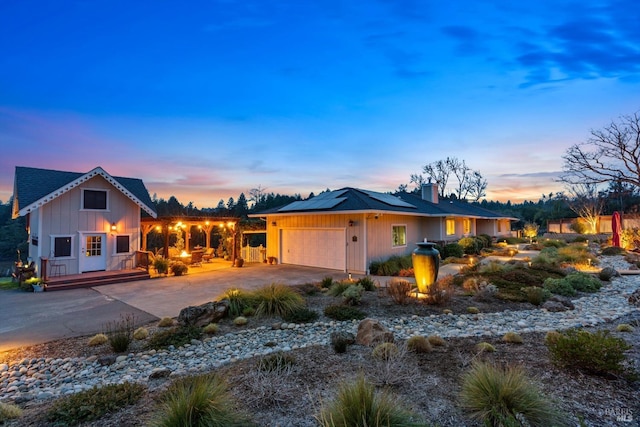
{"x": 324, "y": 248}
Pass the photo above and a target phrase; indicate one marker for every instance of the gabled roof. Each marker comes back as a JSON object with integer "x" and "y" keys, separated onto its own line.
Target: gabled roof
{"x": 35, "y": 187}
{"x": 353, "y": 200}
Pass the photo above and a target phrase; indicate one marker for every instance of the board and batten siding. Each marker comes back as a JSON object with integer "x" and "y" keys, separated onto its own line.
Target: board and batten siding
{"x": 63, "y": 216}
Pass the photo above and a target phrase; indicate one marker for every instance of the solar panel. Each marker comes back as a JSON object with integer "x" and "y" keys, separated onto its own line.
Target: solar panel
{"x": 388, "y": 199}
{"x": 326, "y": 200}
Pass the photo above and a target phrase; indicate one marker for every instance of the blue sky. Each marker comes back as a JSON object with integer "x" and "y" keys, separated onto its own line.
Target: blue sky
{"x": 207, "y": 99}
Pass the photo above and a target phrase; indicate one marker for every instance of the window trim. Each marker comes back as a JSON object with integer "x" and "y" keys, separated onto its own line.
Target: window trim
{"x": 104, "y": 190}
{"x": 393, "y": 245}
{"x": 53, "y": 238}
{"x": 447, "y": 221}
{"x": 115, "y": 244}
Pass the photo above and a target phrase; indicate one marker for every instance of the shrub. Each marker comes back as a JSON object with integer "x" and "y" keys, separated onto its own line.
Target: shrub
{"x": 598, "y": 353}
{"x": 473, "y": 310}
{"x": 485, "y": 347}
{"x": 504, "y": 396}
{"x": 536, "y": 295}
{"x": 630, "y": 238}
{"x": 343, "y": 312}
{"x": 239, "y": 300}
{"x": 613, "y": 250}
{"x": 338, "y": 288}
{"x": 419, "y": 344}
{"x": 560, "y": 287}
{"x": 165, "y": 322}
{"x": 176, "y": 337}
{"x": 472, "y": 245}
{"x": 492, "y": 267}
{"x": 240, "y": 321}
{"x": 9, "y": 411}
{"x": 357, "y": 404}
{"x": 140, "y": 334}
{"x": 488, "y": 240}
{"x": 436, "y": 340}
{"x": 441, "y": 291}
{"x": 248, "y": 311}
{"x": 624, "y": 327}
{"x": 120, "y": 333}
{"x": 98, "y": 339}
{"x": 161, "y": 265}
{"x": 340, "y": 342}
{"x": 512, "y": 338}
{"x": 367, "y": 283}
{"x": 576, "y": 254}
{"x": 583, "y": 282}
{"x": 452, "y": 250}
{"x": 391, "y": 266}
{"x": 326, "y": 282}
{"x": 199, "y": 401}
{"x": 553, "y": 243}
{"x": 353, "y": 294}
{"x": 211, "y": 328}
{"x": 178, "y": 268}
{"x": 92, "y": 404}
{"x": 552, "y": 336}
{"x": 399, "y": 290}
{"x": 278, "y": 363}
{"x": 302, "y": 315}
{"x": 384, "y": 351}
{"x": 277, "y": 300}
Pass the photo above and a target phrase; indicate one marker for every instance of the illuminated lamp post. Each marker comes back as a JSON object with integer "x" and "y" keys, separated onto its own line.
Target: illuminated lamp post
{"x": 426, "y": 260}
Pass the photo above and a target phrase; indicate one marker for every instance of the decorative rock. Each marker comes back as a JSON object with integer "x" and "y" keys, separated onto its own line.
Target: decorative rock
{"x": 120, "y": 359}
{"x": 201, "y": 315}
{"x": 372, "y": 332}
{"x": 106, "y": 360}
{"x": 158, "y": 373}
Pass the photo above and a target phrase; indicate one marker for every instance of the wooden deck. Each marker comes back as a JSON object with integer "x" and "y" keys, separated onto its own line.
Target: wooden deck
{"x": 95, "y": 278}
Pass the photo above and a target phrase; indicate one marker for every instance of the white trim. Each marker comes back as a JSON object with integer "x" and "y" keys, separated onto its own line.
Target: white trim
{"x": 83, "y": 209}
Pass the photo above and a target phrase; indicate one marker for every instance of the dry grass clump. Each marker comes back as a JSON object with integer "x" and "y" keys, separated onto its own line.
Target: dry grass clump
{"x": 240, "y": 321}
{"x": 625, "y": 327}
{"x": 399, "y": 291}
{"x": 385, "y": 351}
{"x": 440, "y": 292}
{"x": 506, "y": 397}
{"x": 512, "y": 338}
{"x": 473, "y": 310}
{"x": 211, "y": 328}
{"x": 485, "y": 347}
{"x": 97, "y": 339}
{"x": 141, "y": 334}
{"x": 165, "y": 322}
{"x": 436, "y": 340}
{"x": 9, "y": 411}
{"x": 277, "y": 300}
{"x": 419, "y": 344}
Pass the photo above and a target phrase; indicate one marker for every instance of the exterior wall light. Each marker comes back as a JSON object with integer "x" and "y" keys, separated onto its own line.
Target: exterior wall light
{"x": 114, "y": 227}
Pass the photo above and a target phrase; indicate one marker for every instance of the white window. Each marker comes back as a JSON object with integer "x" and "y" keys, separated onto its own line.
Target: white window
{"x": 451, "y": 226}
{"x": 399, "y": 235}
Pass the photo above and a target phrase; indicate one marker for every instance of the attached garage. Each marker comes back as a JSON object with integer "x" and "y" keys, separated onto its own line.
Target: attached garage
{"x": 325, "y": 248}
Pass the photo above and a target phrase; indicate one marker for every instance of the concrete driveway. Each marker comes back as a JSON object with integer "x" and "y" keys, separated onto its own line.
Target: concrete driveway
{"x": 33, "y": 318}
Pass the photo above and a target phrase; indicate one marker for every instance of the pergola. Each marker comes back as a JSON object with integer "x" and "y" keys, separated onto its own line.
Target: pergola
{"x": 168, "y": 224}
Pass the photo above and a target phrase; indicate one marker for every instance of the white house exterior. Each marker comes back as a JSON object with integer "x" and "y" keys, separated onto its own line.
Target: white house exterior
{"x": 81, "y": 222}
{"x": 346, "y": 229}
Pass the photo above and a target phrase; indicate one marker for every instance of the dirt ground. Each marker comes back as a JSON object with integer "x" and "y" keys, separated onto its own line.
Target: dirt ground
{"x": 428, "y": 384}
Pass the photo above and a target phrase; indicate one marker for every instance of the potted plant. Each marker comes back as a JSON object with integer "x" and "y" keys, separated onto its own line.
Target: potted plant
{"x": 239, "y": 262}
{"x": 161, "y": 265}
{"x": 36, "y": 284}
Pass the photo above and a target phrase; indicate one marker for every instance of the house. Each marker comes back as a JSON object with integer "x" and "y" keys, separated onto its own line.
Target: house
{"x": 346, "y": 229}
{"x": 80, "y": 222}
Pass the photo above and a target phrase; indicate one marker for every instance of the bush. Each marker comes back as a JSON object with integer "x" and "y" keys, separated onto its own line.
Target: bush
{"x": 583, "y": 282}
{"x": 176, "y": 337}
{"x": 340, "y": 342}
{"x": 327, "y": 282}
{"x": 436, "y": 340}
{"x": 199, "y": 401}
{"x": 239, "y": 300}
{"x": 452, "y": 250}
{"x": 473, "y": 310}
{"x": 211, "y": 328}
{"x": 391, "y": 266}
{"x": 504, "y": 396}
{"x": 598, "y": 353}
{"x": 343, "y": 312}
{"x": 353, "y": 294}
{"x": 178, "y": 268}
{"x": 536, "y": 295}
{"x": 553, "y": 243}
{"x": 98, "y": 339}
{"x": 625, "y": 327}
{"x": 140, "y": 334}
{"x": 560, "y": 287}
{"x": 485, "y": 347}
{"x": 120, "y": 333}
{"x": 91, "y": 405}
{"x": 488, "y": 240}
{"x": 302, "y": 315}
{"x": 512, "y": 338}
{"x": 161, "y": 265}
{"x": 472, "y": 245}
{"x": 576, "y": 254}
{"x": 240, "y": 321}
{"x": 338, "y": 288}
{"x": 277, "y": 300}
{"x": 419, "y": 344}
{"x": 357, "y": 404}
{"x": 165, "y": 322}
{"x": 399, "y": 291}
{"x": 367, "y": 283}
{"x": 441, "y": 291}
{"x": 9, "y": 411}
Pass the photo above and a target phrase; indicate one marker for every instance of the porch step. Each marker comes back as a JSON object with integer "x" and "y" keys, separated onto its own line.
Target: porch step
{"x": 98, "y": 278}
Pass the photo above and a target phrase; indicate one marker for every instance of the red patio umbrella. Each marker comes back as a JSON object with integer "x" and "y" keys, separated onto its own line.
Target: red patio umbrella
{"x": 616, "y": 228}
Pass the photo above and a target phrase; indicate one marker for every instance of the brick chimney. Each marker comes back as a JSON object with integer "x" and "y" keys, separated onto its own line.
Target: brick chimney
{"x": 430, "y": 192}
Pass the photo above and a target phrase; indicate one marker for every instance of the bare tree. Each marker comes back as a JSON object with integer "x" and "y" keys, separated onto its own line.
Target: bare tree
{"x": 256, "y": 195}
{"x": 418, "y": 180}
{"x": 439, "y": 171}
{"x": 586, "y": 202}
{"x": 611, "y": 153}
{"x": 476, "y": 186}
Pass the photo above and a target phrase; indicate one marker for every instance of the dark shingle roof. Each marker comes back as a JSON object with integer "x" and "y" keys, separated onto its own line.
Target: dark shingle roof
{"x": 353, "y": 199}
{"x": 33, "y": 184}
